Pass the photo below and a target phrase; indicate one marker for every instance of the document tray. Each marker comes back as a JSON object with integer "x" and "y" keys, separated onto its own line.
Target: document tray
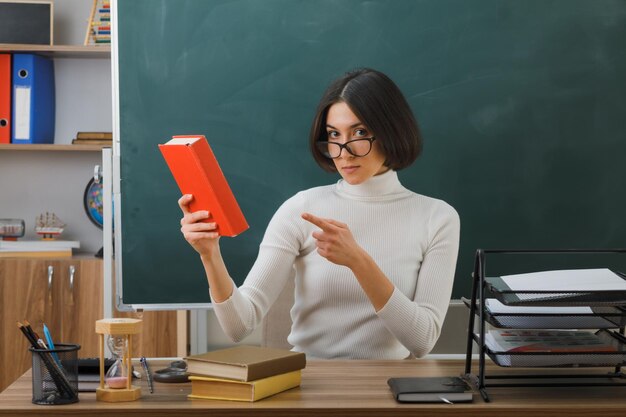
{"x": 507, "y": 296}
{"x": 565, "y": 359}
{"x": 524, "y": 317}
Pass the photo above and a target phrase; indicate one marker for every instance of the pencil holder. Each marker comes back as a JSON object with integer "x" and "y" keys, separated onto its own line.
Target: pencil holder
{"x": 55, "y": 374}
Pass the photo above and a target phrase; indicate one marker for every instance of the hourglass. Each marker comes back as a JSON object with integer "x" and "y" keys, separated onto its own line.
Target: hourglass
{"x": 116, "y": 385}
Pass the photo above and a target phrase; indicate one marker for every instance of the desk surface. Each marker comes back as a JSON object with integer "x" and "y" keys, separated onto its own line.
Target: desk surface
{"x": 346, "y": 388}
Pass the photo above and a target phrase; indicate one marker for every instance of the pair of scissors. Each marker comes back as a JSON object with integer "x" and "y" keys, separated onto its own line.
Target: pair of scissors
{"x": 175, "y": 373}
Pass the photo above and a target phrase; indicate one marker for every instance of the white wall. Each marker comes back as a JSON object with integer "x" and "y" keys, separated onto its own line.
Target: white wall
{"x": 83, "y": 97}
{"x": 70, "y": 21}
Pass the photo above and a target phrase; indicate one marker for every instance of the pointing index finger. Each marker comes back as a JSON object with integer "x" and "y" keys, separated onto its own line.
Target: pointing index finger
{"x": 321, "y": 223}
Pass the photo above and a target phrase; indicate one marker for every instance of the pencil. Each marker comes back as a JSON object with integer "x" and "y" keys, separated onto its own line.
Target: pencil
{"x": 57, "y": 374}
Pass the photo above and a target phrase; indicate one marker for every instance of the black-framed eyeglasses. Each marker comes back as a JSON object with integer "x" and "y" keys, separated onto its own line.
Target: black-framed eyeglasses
{"x": 356, "y": 147}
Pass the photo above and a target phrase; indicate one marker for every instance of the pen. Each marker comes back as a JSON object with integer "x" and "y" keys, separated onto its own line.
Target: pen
{"x": 59, "y": 378}
{"x": 46, "y": 334}
{"x": 144, "y": 363}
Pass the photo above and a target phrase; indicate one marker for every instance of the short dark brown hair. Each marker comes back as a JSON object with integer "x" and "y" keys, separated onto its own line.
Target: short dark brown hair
{"x": 381, "y": 106}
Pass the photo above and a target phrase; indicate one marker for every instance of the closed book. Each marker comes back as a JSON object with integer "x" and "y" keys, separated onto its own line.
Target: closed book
{"x": 449, "y": 389}
{"x": 197, "y": 172}
{"x": 89, "y": 373}
{"x": 94, "y": 135}
{"x": 245, "y": 363}
{"x": 92, "y": 142}
{"x": 88, "y": 382}
{"x": 227, "y": 389}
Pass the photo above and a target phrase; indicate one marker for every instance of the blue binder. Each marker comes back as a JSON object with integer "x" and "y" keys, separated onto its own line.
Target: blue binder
{"x": 33, "y": 99}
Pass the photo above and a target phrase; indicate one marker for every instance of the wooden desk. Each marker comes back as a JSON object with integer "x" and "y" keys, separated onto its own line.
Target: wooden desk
{"x": 346, "y": 388}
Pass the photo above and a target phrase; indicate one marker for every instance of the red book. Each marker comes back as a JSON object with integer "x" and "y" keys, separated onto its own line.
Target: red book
{"x": 197, "y": 172}
{"x": 5, "y": 98}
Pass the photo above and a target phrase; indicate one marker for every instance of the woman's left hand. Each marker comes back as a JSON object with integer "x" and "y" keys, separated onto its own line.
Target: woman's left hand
{"x": 335, "y": 241}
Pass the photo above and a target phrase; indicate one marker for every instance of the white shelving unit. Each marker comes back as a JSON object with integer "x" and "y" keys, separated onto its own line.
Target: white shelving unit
{"x": 52, "y": 177}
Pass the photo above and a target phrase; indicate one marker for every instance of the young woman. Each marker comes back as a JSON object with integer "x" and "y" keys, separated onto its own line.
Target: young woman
{"x": 374, "y": 262}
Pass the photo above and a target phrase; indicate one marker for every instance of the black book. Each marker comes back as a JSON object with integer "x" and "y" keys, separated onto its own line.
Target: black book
{"x": 449, "y": 389}
{"x": 89, "y": 373}
{"x": 92, "y": 365}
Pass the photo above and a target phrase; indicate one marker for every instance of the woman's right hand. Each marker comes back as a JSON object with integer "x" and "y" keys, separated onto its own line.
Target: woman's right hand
{"x": 203, "y": 237}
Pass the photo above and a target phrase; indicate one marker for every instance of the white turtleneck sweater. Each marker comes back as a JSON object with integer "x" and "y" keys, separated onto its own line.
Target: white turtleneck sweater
{"x": 414, "y": 240}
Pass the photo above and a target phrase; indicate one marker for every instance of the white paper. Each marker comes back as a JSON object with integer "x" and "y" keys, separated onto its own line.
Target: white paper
{"x": 601, "y": 279}
{"x": 563, "y": 317}
{"x": 22, "y": 113}
{"x": 182, "y": 141}
{"x": 495, "y": 306}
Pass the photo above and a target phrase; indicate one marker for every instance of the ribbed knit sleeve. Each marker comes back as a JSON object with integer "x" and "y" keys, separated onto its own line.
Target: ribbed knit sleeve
{"x": 244, "y": 310}
{"x": 416, "y": 322}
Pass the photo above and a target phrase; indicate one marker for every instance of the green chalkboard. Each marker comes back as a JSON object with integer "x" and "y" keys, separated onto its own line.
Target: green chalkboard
{"x": 522, "y": 105}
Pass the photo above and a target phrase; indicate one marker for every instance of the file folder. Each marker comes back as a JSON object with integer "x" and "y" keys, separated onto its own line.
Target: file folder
{"x": 5, "y": 98}
{"x": 33, "y": 99}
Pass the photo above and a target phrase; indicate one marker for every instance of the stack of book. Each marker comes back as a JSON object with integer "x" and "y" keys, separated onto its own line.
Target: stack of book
{"x": 244, "y": 373}
{"x": 93, "y": 138}
{"x": 37, "y": 248}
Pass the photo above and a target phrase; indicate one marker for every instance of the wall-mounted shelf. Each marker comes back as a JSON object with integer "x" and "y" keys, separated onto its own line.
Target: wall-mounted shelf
{"x": 61, "y": 51}
{"x": 52, "y": 147}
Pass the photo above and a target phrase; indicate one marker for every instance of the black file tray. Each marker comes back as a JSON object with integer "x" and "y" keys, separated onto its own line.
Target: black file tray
{"x": 602, "y": 317}
{"x": 563, "y": 359}
{"x": 553, "y": 298}
{"x": 612, "y": 310}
